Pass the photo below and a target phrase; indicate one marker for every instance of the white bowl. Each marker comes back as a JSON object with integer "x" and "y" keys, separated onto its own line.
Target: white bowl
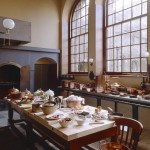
{"x": 72, "y": 116}
{"x": 80, "y": 121}
{"x": 65, "y": 122}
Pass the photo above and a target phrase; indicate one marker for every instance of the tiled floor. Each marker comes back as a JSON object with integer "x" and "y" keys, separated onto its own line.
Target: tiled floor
{"x": 144, "y": 143}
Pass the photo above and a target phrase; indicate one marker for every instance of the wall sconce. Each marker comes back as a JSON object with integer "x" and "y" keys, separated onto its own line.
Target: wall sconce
{"x": 8, "y": 24}
{"x": 91, "y": 61}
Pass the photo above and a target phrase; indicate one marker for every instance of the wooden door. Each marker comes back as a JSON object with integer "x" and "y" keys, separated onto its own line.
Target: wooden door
{"x": 45, "y": 76}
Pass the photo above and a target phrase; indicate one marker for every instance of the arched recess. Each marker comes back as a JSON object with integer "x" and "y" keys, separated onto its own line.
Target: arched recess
{"x": 13, "y": 75}
{"x": 45, "y": 74}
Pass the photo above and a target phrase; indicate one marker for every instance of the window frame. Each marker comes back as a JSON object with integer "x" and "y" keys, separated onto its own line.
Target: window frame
{"x": 70, "y": 38}
{"x": 105, "y": 26}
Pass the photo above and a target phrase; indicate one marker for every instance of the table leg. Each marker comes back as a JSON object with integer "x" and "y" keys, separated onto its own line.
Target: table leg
{"x": 10, "y": 114}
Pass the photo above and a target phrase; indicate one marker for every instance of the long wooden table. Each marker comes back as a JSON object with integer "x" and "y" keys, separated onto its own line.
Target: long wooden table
{"x": 70, "y": 138}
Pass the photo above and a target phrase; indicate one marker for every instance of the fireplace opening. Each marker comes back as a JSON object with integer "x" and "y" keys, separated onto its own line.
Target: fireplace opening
{"x": 9, "y": 78}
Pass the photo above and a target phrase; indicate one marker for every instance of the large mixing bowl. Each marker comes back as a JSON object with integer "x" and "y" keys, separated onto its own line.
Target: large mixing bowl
{"x": 49, "y": 107}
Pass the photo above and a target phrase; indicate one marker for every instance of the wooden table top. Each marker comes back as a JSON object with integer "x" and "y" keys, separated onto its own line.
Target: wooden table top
{"x": 73, "y": 131}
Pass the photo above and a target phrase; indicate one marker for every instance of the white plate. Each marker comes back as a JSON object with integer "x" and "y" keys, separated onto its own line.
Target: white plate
{"x": 55, "y": 116}
{"x": 26, "y": 106}
{"x": 65, "y": 109}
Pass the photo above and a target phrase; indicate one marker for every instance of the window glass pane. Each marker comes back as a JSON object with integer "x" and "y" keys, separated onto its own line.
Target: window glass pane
{"x": 86, "y": 47}
{"x": 72, "y": 42}
{"x": 87, "y": 9}
{"x": 136, "y": 11}
{"x": 82, "y": 12}
{"x": 117, "y": 41}
{"x": 110, "y": 54}
{"x": 78, "y": 31}
{"x": 78, "y": 14}
{"x": 126, "y": 27}
{"x": 81, "y": 48}
{"x": 76, "y": 40}
{"x": 76, "y": 58}
{"x": 135, "y": 51}
{"x": 111, "y": 9}
{"x": 126, "y": 65}
{"x": 126, "y": 52}
{"x": 86, "y": 20}
{"x": 135, "y": 2}
{"x": 119, "y": 5}
{"x": 74, "y": 16}
{"x": 86, "y": 38}
{"x": 117, "y": 65}
{"x": 144, "y": 65}
{"x": 117, "y": 53}
{"x": 144, "y": 36}
{"x": 118, "y": 17}
{"x": 109, "y": 31}
{"x": 74, "y": 25}
{"x": 82, "y": 21}
{"x": 126, "y": 39}
{"x": 76, "y": 68}
{"x": 86, "y": 28}
{"x": 82, "y": 3}
{"x": 127, "y": 14}
{"x": 144, "y": 49}
{"x": 144, "y": 8}
{"x": 135, "y": 65}
{"x": 85, "y": 57}
{"x": 81, "y": 39}
{"x": 110, "y": 1}
{"x": 135, "y": 25}
{"x": 74, "y": 32}
{"x": 72, "y": 58}
{"x": 82, "y": 29}
{"x": 144, "y": 22}
{"x": 117, "y": 29}
{"x": 72, "y": 68}
{"x": 127, "y": 4}
{"x": 72, "y": 50}
{"x": 110, "y": 19}
{"x": 110, "y": 66}
{"x": 76, "y": 49}
{"x": 135, "y": 38}
{"x": 110, "y": 43}
{"x": 78, "y": 23}
{"x": 81, "y": 57}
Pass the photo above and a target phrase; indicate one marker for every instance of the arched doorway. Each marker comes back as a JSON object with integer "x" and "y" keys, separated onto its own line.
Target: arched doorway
{"x": 45, "y": 74}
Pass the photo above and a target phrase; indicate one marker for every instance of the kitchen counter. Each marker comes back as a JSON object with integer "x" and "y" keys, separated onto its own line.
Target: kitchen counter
{"x": 134, "y": 102}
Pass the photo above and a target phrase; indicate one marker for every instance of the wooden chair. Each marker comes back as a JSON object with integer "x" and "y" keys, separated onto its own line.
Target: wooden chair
{"x": 129, "y": 131}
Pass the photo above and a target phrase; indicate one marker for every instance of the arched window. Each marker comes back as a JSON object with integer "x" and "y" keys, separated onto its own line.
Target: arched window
{"x": 78, "y": 37}
{"x": 126, "y": 36}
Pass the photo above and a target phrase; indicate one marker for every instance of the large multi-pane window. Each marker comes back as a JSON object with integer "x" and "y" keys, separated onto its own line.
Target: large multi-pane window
{"x": 126, "y": 36}
{"x": 78, "y": 52}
